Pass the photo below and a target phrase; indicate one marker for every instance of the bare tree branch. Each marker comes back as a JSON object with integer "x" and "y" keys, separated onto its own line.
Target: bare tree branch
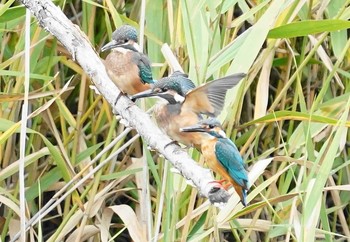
{"x": 52, "y": 19}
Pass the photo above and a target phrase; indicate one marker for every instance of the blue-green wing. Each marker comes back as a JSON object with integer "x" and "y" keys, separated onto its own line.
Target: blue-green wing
{"x": 181, "y": 79}
{"x": 144, "y": 66}
{"x": 230, "y": 158}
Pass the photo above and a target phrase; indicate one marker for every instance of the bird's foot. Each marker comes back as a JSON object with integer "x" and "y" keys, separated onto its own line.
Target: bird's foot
{"x": 118, "y": 97}
{"x": 171, "y": 143}
{"x": 227, "y": 186}
{"x": 219, "y": 184}
{"x": 221, "y": 181}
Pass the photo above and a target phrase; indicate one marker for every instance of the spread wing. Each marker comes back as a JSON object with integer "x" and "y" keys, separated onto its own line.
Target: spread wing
{"x": 210, "y": 98}
{"x": 230, "y": 158}
{"x": 144, "y": 66}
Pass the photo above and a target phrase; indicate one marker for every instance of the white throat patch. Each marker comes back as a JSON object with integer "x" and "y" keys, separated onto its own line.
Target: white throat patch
{"x": 136, "y": 46}
{"x": 179, "y": 98}
{"x": 222, "y": 133}
{"x": 121, "y": 50}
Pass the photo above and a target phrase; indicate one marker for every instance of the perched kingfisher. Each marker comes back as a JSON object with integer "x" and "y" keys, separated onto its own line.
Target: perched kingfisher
{"x": 221, "y": 155}
{"x": 128, "y": 68}
{"x": 186, "y": 104}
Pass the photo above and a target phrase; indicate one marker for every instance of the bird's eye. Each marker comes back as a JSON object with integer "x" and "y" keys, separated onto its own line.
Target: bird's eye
{"x": 211, "y": 126}
{"x": 165, "y": 89}
{"x": 125, "y": 40}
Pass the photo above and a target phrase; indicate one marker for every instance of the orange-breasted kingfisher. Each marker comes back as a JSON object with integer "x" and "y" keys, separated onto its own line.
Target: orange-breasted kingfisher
{"x": 221, "y": 155}
{"x": 128, "y": 68}
{"x": 186, "y": 104}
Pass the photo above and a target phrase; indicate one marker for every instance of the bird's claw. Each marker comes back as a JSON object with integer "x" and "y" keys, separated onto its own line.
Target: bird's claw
{"x": 118, "y": 97}
{"x": 171, "y": 143}
{"x": 219, "y": 183}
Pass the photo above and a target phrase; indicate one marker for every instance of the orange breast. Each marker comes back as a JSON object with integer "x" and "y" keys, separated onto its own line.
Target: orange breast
{"x": 171, "y": 122}
{"x": 124, "y": 73}
{"x": 208, "y": 150}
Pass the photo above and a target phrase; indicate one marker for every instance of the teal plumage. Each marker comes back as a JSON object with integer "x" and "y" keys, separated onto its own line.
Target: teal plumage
{"x": 144, "y": 65}
{"x": 229, "y": 157}
{"x": 177, "y": 82}
{"x": 221, "y": 155}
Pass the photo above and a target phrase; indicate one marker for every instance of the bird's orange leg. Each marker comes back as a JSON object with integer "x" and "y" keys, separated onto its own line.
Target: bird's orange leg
{"x": 217, "y": 184}
{"x": 220, "y": 182}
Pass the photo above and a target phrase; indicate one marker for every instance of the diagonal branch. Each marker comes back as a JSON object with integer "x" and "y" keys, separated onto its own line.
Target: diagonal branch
{"x": 52, "y": 19}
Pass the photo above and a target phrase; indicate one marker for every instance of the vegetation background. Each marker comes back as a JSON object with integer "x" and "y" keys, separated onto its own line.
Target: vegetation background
{"x": 293, "y": 107}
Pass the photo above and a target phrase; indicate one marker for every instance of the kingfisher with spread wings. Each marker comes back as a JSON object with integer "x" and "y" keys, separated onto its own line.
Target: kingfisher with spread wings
{"x": 186, "y": 104}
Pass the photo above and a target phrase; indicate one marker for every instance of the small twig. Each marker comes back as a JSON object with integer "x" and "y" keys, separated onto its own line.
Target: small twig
{"x": 170, "y": 58}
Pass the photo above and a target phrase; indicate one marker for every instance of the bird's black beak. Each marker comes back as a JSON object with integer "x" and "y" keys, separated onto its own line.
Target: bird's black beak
{"x": 194, "y": 128}
{"x": 110, "y": 45}
{"x": 147, "y": 93}
{"x": 151, "y": 93}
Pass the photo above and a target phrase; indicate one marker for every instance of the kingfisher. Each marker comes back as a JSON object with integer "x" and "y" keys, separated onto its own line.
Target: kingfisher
{"x": 128, "y": 68}
{"x": 186, "y": 104}
{"x": 221, "y": 155}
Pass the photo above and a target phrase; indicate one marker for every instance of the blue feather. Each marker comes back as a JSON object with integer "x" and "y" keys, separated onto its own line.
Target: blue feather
{"x": 177, "y": 82}
{"x": 144, "y": 65}
{"x": 230, "y": 158}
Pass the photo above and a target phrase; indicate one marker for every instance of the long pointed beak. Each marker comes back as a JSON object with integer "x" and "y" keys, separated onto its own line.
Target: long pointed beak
{"x": 147, "y": 93}
{"x": 194, "y": 128}
{"x": 109, "y": 45}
